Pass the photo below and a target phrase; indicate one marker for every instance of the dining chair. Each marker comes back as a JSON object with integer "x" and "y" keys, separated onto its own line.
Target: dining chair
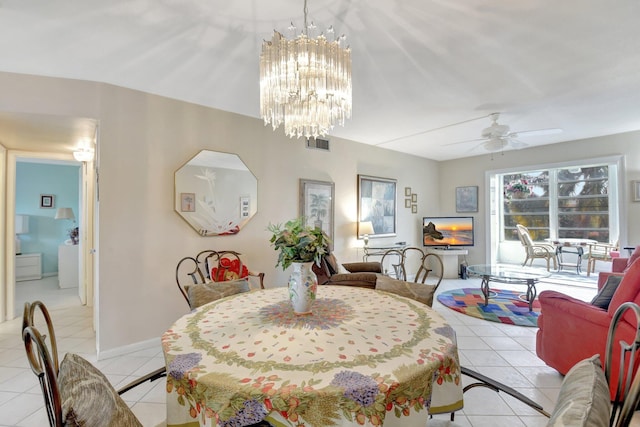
{"x": 535, "y": 250}
{"x": 220, "y": 266}
{"x": 188, "y": 273}
{"x": 75, "y": 392}
{"x": 605, "y": 252}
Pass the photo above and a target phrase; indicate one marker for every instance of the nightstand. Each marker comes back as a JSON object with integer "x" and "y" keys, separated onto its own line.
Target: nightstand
{"x": 28, "y": 267}
{"x": 68, "y": 266}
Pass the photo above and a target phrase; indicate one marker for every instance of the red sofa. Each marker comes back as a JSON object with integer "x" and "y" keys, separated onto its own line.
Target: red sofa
{"x": 571, "y": 330}
{"x": 618, "y": 267}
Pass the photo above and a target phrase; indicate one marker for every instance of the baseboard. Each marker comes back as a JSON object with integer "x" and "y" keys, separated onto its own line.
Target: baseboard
{"x": 129, "y": 348}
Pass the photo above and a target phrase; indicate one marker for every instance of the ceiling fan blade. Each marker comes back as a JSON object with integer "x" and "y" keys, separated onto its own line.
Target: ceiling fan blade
{"x": 514, "y": 143}
{"x": 465, "y": 141}
{"x": 536, "y": 132}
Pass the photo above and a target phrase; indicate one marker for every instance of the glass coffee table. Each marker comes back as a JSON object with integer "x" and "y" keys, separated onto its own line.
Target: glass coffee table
{"x": 512, "y": 274}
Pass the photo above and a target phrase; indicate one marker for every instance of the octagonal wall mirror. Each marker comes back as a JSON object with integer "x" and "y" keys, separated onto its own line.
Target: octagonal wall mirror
{"x": 216, "y": 193}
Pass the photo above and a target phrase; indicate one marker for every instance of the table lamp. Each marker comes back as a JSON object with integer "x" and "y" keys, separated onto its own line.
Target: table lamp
{"x": 365, "y": 228}
{"x": 22, "y": 227}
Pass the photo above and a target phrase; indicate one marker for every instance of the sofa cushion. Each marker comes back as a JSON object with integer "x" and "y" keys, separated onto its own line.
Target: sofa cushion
{"x": 204, "y": 293}
{"x": 628, "y": 288}
{"x": 87, "y": 397}
{"x": 416, "y": 291}
{"x": 603, "y": 298}
{"x": 634, "y": 256}
{"x": 584, "y": 397}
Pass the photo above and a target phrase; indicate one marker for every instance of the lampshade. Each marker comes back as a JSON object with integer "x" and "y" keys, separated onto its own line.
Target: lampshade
{"x": 65, "y": 213}
{"x": 365, "y": 228}
{"x": 305, "y": 82}
{"x": 22, "y": 224}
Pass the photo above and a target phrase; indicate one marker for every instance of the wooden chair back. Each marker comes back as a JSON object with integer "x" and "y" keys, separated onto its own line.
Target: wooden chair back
{"x": 42, "y": 354}
{"x": 43, "y": 359}
{"x": 188, "y": 273}
{"x": 627, "y": 397}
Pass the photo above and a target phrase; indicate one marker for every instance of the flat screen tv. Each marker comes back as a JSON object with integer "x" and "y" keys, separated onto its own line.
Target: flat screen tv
{"x": 446, "y": 231}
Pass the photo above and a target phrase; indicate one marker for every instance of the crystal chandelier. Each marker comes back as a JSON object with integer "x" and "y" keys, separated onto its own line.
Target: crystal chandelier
{"x": 305, "y": 83}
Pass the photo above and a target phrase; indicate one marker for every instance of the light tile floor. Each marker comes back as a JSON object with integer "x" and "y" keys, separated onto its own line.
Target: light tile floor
{"x": 503, "y": 352}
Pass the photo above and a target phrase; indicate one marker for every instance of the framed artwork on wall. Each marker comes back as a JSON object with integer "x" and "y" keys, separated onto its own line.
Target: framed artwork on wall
{"x": 467, "y": 199}
{"x": 636, "y": 190}
{"x": 377, "y": 203}
{"x": 187, "y": 202}
{"x": 47, "y": 201}
{"x": 317, "y": 205}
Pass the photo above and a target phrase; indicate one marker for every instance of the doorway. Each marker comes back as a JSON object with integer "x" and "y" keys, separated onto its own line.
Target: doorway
{"x": 47, "y": 219}
{"x": 43, "y": 220}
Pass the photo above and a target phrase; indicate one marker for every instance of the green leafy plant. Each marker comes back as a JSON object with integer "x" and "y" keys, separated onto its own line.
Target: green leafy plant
{"x": 298, "y": 242}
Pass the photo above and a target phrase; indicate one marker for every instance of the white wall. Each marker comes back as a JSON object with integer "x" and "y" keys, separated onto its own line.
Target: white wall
{"x": 144, "y": 139}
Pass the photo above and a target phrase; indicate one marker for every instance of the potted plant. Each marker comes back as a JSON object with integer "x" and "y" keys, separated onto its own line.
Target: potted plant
{"x": 298, "y": 243}
{"x": 300, "y": 246}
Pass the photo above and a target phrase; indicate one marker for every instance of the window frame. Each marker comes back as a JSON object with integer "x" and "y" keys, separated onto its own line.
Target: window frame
{"x": 498, "y": 249}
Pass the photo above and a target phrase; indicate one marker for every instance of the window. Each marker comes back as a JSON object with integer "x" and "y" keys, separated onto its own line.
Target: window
{"x": 567, "y": 202}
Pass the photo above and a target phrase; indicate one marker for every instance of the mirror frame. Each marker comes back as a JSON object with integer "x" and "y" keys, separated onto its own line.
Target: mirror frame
{"x": 210, "y": 212}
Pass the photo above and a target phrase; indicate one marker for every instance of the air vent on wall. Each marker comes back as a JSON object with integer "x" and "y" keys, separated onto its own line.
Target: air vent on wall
{"x": 318, "y": 144}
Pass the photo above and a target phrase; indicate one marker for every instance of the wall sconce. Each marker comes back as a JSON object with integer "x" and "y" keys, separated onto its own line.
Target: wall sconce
{"x": 21, "y": 227}
{"x": 365, "y": 228}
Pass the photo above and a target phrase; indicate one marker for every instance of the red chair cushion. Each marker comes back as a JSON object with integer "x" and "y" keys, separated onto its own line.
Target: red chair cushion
{"x": 228, "y": 270}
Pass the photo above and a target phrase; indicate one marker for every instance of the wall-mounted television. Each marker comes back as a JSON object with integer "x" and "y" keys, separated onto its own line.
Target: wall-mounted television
{"x": 446, "y": 231}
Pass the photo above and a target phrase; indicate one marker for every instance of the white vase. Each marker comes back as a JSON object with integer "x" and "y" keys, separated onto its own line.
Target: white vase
{"x": 303, "y": 285}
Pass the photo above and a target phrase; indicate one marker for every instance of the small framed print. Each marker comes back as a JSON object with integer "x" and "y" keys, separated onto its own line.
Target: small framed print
{"x": 187, "y": 202}
{"x": 414, "y": 198}
{"x": 407, "y": 203}
{"x": 47, "y": 201}
{"x": 414, "y": 208}
{"x": 467, "y": 199}
{"x": 245, "y": 206}
{"x": 636, "y": 191}
{"x": 407, "y": 191}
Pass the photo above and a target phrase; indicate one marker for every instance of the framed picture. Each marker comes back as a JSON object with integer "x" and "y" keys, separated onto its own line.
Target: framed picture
{"x": 47, "y": 201}
{"x": 414, "y": 198}
{"x": 467, "y": 199}
{"x": 377, "y": 203}
{"x": 317, "y": 204}
{"x": 187, "y": 202}
{"x": 407, "y": 203}
{"x": 414, "y": 208}
{"x": 636, "y": 190}
{"x": 407, "y": 191}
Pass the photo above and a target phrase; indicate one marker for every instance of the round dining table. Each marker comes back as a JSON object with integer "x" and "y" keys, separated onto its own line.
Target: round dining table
{"x": 362, "y": 357}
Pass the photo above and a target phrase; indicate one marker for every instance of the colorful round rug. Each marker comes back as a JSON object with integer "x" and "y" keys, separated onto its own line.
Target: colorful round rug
{"x": 504, "y": 306}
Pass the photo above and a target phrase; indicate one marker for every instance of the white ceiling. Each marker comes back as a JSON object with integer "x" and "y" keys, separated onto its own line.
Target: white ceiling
{"x": 420, "y": 67}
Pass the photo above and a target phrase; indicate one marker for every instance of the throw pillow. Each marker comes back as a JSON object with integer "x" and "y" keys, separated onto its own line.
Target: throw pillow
{"x": 584, "y": 397}
{"x": 603, "y": 298}
{"x": 332, "y": 263}
{"x": 87, "y": 397}
{"x": 204, "y": 293}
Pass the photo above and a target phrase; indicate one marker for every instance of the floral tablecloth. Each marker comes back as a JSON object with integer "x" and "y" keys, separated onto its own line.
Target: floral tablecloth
{"x": 363, "y": 357}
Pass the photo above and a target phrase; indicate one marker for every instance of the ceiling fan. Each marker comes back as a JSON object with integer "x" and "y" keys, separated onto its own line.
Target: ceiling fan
{"x": 497, "y": 136}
